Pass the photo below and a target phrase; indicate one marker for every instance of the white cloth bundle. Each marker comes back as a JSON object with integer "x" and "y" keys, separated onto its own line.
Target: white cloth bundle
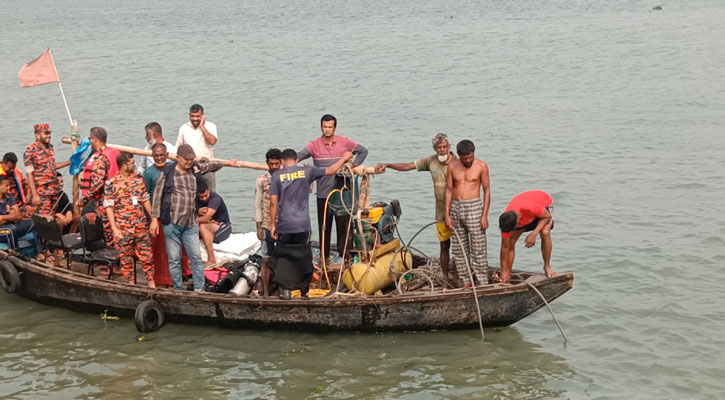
{"x": 239, "y": 246}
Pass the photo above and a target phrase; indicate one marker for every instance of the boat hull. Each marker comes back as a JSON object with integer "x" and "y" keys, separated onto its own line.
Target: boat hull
{"x": 500, "y": 305}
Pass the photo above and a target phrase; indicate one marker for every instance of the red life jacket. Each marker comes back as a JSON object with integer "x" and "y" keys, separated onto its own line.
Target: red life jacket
{"x": 18, "y": 182}
{"x": 111, "y": 154}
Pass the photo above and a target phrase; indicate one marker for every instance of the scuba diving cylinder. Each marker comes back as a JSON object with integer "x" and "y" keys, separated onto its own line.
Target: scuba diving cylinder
{"x": 247, "y": 280}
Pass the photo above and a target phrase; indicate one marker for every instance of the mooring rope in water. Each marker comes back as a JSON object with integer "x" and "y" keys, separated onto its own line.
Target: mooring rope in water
{"x": 468, "y": 266}
{"x": 550, "y": 310}
{"x": 473, "y": 284}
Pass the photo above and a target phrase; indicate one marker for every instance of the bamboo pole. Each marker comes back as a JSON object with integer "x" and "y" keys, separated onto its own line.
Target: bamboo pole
{"x": 360, "y": 169}
{"x": 147, "y": 153}
{"x": 76, "y": 179}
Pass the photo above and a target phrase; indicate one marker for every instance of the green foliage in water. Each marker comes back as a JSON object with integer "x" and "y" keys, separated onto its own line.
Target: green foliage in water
{"x": 106, "y": 317}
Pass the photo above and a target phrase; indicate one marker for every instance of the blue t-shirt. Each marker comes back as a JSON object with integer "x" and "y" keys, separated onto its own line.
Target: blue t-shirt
{"x": 150, "y": 176}
{"x": 6, "y": 203}
{"x": 216, "y": 202}
{"x": 292, "y": 186}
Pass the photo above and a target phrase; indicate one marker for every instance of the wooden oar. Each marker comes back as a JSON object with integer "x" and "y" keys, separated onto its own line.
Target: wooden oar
{"x": 360, "y": 169}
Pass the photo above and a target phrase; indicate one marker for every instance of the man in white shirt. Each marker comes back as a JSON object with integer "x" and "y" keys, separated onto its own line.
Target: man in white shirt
{"x": 201, "y": 135}
{"x": 153, "y": 135}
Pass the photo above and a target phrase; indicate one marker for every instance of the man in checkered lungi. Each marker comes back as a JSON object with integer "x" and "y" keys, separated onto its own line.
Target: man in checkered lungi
{"x": 466, "y": 214}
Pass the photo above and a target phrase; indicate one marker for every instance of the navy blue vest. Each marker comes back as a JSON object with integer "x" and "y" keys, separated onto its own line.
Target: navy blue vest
{"x": 168, "y": 172}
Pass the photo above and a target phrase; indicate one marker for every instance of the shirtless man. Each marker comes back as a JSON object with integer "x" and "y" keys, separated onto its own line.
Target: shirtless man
{"x": 465, "y": 213}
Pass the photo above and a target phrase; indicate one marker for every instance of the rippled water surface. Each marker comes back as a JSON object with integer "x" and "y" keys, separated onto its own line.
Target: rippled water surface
{"x": 614, "y": 108}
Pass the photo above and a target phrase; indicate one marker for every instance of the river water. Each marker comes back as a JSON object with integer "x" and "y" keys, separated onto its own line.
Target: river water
{"x": 614, "y": 108}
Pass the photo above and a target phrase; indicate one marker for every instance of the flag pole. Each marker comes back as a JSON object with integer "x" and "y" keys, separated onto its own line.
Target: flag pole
{"x": 70, "y": 119}
{"x": 75, "y": 140}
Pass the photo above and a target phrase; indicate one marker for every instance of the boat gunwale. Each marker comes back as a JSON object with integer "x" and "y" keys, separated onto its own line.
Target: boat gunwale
{"x": 169, "y": 294}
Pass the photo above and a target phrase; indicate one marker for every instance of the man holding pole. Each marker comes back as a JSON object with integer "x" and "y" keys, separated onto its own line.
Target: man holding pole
{"x": 101, "y": 166}
{"x": 158, "y": 242}
{"x": 174, "y": 207}
{"x": 261, "y": 214}
{"x": 289, "y": 216}
{"x": 437, "y": 165}
{"x": 154, "y": 135}
{"x": 42, "y": 71}
{"x": 325, "y": 151}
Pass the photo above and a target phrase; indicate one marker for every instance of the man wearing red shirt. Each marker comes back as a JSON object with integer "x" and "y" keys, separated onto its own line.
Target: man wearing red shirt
{"x": 528, "y": 211}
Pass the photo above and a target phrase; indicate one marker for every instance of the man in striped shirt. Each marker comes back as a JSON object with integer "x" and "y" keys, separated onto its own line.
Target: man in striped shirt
{"x": 325, "y": 151}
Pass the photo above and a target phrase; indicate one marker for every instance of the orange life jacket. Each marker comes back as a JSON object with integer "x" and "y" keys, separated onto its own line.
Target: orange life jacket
{"x": 111, "y": 154}
{"x": 18, "y": 182}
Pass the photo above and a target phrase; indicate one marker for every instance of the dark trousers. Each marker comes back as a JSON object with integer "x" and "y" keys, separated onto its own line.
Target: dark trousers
{"x": 292, "y": 261}
{"x": 10, "y": 233}
{"x": 340, "y": 222}
{"x": 293, "y": 238}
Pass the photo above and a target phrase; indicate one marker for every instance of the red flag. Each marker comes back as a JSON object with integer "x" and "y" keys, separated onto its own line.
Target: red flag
{"x": 39, "y": 71}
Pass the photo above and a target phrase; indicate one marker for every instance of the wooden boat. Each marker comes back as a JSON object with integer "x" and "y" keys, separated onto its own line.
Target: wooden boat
{"x": 500, "y": 304}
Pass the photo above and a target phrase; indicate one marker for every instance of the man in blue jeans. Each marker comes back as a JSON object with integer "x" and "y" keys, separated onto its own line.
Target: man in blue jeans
{"x": 12, "y": 227}
{"x": 174, "y": 206}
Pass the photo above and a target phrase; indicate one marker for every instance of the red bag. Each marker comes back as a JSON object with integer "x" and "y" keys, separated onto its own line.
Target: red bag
{"x": 215, "y": 275}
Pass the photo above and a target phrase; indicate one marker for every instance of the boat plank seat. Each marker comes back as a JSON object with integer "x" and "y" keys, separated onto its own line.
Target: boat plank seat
{"x": 50, "y": 232}
{"x": 94, "y": 247}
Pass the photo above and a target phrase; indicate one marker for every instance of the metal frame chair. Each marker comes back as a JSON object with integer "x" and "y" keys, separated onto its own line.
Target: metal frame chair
{"x": 95, "y": 251}
{"x": 50, "y": 232}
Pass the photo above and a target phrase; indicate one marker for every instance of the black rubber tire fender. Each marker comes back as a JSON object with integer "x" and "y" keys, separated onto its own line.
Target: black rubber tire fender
{"x": 9, "y": 277}
{"x": 149, "y": 316}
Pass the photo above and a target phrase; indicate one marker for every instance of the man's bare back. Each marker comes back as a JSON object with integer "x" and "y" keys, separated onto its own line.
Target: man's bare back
{"x": 467, "y": 182}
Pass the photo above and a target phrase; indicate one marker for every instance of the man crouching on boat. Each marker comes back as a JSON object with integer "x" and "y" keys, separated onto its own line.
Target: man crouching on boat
{"x": 124, "y": 200}
{"x": 174, "y": 204}
{"x": 527, "y": 211}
